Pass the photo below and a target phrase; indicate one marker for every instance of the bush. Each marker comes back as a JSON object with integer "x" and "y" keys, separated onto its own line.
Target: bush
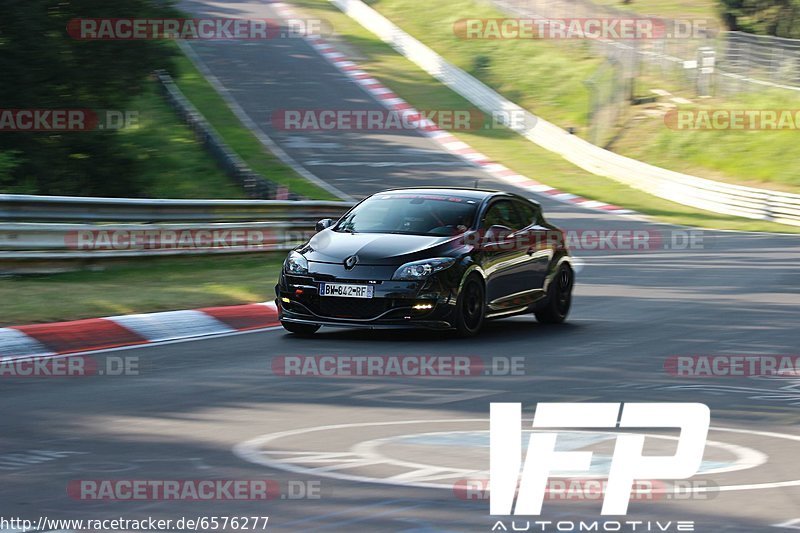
{"x": 44, "y": 68}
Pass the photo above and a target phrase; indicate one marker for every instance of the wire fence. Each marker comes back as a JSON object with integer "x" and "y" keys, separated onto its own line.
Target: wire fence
{"x": 685, "y": 55}
{"x": 609, "y": 90}
{"x": 685, "y": 189}
{"x": 745, "y": 59}
{"x": 741, "y": 61}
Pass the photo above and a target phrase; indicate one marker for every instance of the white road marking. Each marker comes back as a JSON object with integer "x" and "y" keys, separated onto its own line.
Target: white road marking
{"x": 299, "y": 142}
{"x": 158, "y": 343}
{"x": 252, "y": 451}
{"x": 14, "y": 343}
{"x": 425, "y": 395}
{"x": 22, "y": 460}
{"x": 789, "y": 524}
{"x": 172, "y": 324}
{"x": 578, "y": 264}
{"x": 240, "y": 113}
{"x": 381, "y": 164}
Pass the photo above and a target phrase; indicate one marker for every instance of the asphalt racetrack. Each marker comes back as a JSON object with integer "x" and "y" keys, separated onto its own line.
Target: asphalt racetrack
{"x": 384, "y": 453}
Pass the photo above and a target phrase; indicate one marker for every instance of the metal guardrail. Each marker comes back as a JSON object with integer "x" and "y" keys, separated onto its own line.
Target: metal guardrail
{"x": 56, "y": 233}
{"x": 747, "y": 202}
{"x": 253, "y": 184}
{"x": 34, "y": 208}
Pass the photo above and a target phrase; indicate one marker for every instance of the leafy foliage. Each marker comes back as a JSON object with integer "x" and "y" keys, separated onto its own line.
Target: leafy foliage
{"x": 765, "y": 17}
{"x": 44, "y": 68}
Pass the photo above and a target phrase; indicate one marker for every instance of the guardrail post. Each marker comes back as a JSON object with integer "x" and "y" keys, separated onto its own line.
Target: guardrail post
{"x": 254, "y": 185}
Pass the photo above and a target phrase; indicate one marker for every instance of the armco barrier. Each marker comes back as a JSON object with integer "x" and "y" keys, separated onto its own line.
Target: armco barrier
{"x": 33, "y": 208}
{"x": 55, "y": 233}
{"x": 254, "y": 185}
{"x": 747, "y": 202}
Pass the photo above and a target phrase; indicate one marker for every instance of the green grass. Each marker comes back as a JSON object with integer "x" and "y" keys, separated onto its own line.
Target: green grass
{"x": 547, "y": 78}
{"x": 534, "y": 74}
{"x": 170, "y": 155}
{"x": 149, "y": 285}
{"x": 180, "y": 283}
{"x": 178, "y": 165}
{"x": 181, "y": 168}
{"x": 424, "y": 92}
{"x": 241, "y": 140}
{"x": 764, "y": 159}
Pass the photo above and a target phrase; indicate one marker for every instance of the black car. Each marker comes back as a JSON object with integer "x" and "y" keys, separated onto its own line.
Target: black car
{"x": 428, "y": 258}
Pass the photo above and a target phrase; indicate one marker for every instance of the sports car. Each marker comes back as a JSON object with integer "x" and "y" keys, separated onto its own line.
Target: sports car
{"x": 435, "y": 258}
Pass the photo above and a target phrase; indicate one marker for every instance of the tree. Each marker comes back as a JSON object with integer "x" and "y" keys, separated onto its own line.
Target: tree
{"x": 764, "y": 17}
{"x": 44, "y": 68}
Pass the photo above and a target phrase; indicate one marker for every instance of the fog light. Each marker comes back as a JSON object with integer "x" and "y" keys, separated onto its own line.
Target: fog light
{"x": 423, "y": 306}
{"x": 286, "y": 300}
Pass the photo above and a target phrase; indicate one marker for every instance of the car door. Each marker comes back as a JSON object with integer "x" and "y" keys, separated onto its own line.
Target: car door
{"x": 504, "y": 261}
{"x": 538, "y": 242}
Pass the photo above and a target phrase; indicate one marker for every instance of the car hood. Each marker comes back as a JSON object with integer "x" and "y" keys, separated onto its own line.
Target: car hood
{"x": 376, "y": 248}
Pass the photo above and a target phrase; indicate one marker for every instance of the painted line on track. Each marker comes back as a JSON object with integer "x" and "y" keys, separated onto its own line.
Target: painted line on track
{"x": 63, "y": 339}
{"x": 445, "y": 139}
{"x": 251, "y": 451}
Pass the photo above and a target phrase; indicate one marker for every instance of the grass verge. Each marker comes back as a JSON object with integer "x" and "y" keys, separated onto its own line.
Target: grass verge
{"x": 175, "y": 163}
{"x": 180, "y": 168}
{"x": 425, "y": 92}
{"x": 177, "y": 166}
{"x": 547, "y": 78}
{"x": 156, "y": 284}
{"x": 241, "y": 140}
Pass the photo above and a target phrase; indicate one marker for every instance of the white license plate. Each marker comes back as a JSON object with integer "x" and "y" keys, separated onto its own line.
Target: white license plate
{"x": 346, "y": 290}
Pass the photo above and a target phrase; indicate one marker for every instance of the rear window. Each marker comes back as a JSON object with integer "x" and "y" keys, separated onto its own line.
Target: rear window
{"x": 528, "y": 212}
{"x": 503, "y": 213}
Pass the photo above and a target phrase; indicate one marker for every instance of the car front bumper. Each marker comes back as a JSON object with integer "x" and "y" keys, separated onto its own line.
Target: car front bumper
{"x": 391, "y": 307}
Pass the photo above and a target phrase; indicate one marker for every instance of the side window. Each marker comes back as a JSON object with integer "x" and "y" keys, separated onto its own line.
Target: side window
{"x": 528, "y": 212}
{"x": 502, "y": 213}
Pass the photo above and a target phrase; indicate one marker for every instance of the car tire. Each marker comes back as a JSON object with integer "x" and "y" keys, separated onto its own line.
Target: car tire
{"x": 470, "y": 307}
{"x": 559, "y": 297}
{"x": 301, "y": 330}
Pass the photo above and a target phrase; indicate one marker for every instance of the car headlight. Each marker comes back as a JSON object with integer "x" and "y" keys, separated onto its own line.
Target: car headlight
{"x": 422, "y": 269}
{"x": 296, "y": 264}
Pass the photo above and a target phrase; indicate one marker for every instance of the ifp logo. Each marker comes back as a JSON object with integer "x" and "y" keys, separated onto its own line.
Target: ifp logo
{"x": 627, "y": 464}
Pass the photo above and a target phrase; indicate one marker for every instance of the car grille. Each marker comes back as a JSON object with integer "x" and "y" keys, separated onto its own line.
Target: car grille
{"x": 336, "y": 307}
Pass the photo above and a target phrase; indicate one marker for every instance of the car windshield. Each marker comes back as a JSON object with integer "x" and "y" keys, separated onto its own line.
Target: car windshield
{"x": 411, "y": 214}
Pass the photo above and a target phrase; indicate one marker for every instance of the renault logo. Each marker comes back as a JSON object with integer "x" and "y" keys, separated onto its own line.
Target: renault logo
{"x": 350, "y": 262}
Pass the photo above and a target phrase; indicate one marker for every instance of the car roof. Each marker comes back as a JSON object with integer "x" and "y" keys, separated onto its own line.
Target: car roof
{"x": 477, "y": 194}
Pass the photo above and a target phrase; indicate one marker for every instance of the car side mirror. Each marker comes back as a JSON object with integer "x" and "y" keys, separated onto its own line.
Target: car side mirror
{"x": 497, "y": 233}
{"x": 494, "y": 236}
{"x": 325, "y": 223}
